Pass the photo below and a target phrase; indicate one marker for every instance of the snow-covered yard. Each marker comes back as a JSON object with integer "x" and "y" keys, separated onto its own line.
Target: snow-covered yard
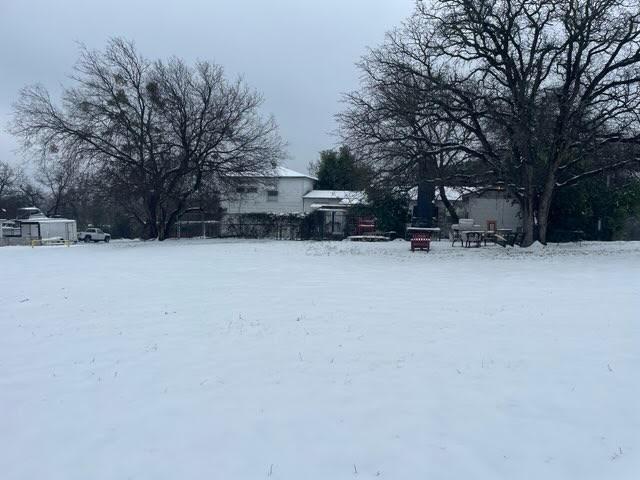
{"x": 295, "y": 360}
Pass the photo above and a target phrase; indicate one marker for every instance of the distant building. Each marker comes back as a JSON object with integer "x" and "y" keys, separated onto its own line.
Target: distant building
{"x": 482, "y": 205}
{"x": 279, "y": 192}
{"x": 32, "y": 224}
{"x": 333, "y": 207}
{"x": 283, "y": 196}
{"x": 491, "y": 205}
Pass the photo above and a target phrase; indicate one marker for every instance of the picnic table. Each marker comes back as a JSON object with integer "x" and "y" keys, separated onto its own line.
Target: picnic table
{"x": 500, "y": 236}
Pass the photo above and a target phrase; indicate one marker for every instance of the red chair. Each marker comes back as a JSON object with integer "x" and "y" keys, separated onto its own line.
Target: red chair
{"x": 421, "y": 241}
{"x": 365, "y": 225}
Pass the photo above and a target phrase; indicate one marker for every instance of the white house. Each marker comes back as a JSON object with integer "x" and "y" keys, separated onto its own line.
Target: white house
{"x": 279, "y": 192}
{"x": 284, "y": 192}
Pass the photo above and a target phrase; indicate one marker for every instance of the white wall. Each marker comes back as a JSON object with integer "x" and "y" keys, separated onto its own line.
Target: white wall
{"x": 64, "y": 228}
{"x": 289, "y": 200}
{"x": 503, "y": 210}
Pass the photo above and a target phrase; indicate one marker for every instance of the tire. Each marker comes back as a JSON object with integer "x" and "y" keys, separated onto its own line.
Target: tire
{"x": 87, "y": 238}
{"x": 106, "y": 239}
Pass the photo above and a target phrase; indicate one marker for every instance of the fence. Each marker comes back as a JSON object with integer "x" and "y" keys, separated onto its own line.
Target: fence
{"x": 273, "y": 230}
{"x": 198, "y": 229}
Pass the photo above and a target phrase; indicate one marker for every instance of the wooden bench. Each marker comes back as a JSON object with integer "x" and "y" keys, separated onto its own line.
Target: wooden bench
{"x": 420, "y": 241}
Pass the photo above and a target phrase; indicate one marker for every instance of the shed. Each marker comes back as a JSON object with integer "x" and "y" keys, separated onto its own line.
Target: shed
{"x": 48, "y": 228}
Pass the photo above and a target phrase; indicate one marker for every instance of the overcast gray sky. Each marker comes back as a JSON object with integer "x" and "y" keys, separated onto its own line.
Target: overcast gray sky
{"x": 299, "y": 53}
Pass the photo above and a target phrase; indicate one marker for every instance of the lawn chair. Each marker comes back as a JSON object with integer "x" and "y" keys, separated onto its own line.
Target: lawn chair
{"x": 456, "y": 237}
{"x": 421, "y": 241}
{"x": 474, "y": 238}
{"x": 463, "y": 225}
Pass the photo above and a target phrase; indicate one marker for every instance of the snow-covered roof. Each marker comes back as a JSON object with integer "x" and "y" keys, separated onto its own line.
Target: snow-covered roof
{"x": 349, "y": 195}
{"x": 46, "y": 220}
{"x": 287, "y": 172}
{"x": 278, "y": 172}
{"x": 453, "y": 193}
{"x": 322, "y": 206}
{"x": 345, "y": 198}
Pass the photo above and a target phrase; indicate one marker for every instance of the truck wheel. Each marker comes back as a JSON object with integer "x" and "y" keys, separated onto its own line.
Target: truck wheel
{"x": 106, "y": 239}
{"x": 87, "y": 238}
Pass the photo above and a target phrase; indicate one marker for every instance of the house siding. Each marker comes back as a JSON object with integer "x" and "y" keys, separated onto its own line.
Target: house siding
{"x": 496, "y": 207}
{"x": 289, "y": 199}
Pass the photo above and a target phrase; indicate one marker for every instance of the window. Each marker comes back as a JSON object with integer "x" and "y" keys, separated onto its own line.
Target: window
{"x": 272, "y": 196}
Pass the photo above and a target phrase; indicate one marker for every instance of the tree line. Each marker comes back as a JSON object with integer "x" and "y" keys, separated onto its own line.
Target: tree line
{"x": 151, "y": 136}
{"x": 538, "y": 98}
{"x": 532, "y": 96}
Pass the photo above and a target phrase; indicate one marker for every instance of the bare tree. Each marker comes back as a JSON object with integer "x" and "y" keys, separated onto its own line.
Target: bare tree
{"x": 391, "y": 122}
{"x": 151, "y": 131}
{"x": 8, "y": 177}
{"x": 29, "y": 194}
{"x": 60, "y": 176}
{"x": 539, "y": 86}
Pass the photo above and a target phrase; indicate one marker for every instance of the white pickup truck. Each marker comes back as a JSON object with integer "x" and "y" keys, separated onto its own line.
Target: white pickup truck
{"x": 94, "y": 235}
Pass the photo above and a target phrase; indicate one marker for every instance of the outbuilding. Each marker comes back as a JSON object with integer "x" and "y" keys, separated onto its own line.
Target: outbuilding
{"x": 49, "y": 228}
{"x": 32, "y": 224}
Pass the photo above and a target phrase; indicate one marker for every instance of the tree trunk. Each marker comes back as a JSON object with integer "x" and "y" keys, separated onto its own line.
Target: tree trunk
{"x": 424, "y": 210}
{"x": 543, "y": 222}
{"x": 448, "y": 205}
{"x": 150, "y": 230}
{"x": 426, "y": 194}
{"x": 528, "y": 220}
{"x": 162, "y": 231}
{"x": 545, "y": 206}
{"x": 162, "y": 224}
{"x": 151, "y": 226}
{"x": 528, "y": 206}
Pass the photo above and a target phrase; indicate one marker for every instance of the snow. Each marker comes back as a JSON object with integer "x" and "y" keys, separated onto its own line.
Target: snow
{"x": 346, "y": 197}
{"x": 453, "y": 193}
{"x": 312, "y": 360}
{"x": 287, "y": 172}
{"x": 536, "y": 246}
{"x": 335, "y": 194}
{"x": 277, "y": 172}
